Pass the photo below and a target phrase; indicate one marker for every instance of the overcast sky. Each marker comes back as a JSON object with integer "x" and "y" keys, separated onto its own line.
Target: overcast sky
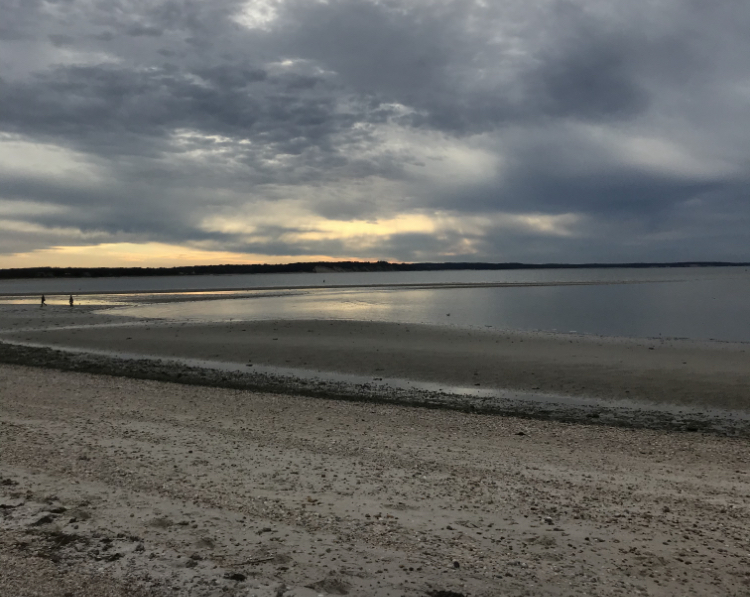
{"x": 164, "y": 132}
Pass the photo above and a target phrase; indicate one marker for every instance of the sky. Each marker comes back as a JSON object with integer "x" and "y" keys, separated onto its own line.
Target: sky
{"x": 177, "y": 132}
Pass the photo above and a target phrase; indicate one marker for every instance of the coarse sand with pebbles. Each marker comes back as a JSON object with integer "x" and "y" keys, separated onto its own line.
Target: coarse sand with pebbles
{"x": 116, "y": 486}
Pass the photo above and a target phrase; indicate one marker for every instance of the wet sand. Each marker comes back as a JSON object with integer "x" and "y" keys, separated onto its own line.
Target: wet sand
{"x": 674, "y": 372}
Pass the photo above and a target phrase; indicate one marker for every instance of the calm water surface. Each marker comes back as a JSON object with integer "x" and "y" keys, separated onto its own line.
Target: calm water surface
{"x": 705, "y": 303}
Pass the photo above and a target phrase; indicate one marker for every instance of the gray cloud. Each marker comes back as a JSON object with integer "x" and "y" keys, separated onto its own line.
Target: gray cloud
{"x": 626, "y": 118}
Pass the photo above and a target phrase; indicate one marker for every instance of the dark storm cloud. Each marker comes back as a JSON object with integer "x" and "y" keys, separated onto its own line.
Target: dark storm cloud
{"x": 593, "y": 80}
{"x": 95, "y": 101}
{"x": 628, "y": 116}
{"x": 126, "y": 213}
{"x": 437, "y": 61}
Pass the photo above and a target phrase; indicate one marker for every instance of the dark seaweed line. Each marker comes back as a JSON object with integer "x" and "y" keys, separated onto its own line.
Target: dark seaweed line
{"x": 174, "y": 372}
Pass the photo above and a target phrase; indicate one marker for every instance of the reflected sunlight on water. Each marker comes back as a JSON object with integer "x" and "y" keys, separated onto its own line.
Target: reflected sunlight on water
{"x": 707, "y": 305}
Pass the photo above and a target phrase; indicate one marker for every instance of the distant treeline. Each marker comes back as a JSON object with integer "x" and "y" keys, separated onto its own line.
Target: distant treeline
{"x": 320, "y": 267}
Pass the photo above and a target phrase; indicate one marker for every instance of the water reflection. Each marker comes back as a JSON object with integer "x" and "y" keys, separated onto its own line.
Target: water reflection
{"x": 701, "y": 308}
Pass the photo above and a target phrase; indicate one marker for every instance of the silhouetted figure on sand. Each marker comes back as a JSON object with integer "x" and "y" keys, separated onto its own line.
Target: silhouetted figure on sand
{"x": 70, "y": 300}
{"x": 44, "y": 300}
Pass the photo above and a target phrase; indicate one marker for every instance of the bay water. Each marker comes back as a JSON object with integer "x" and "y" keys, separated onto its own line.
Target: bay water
{"x": 695, "y": 303}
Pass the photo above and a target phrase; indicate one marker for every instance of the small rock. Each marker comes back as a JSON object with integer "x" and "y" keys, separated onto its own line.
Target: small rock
{"x": 332, "y": 585}
{"x": 238, "y": 576}
{"x": 10, "y": 504}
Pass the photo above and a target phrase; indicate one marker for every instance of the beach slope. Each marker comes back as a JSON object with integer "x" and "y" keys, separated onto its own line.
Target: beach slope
{"x": 114, "y": 482}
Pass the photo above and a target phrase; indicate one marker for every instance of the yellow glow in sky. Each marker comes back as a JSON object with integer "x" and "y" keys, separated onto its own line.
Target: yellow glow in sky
{"x": 329, "y": 229}
{"x": 365, "y": 232}
{"x": 142, "y": 255}
{"x": 459, "y": 234}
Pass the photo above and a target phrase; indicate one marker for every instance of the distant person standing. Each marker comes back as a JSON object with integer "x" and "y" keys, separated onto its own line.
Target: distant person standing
{"x": 44, "y": 301}
{"x": 70, "y": 300}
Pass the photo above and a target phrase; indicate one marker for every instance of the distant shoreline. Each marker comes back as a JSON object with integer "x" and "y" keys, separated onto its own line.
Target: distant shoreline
{"x": 328, "y": 267}
{"x": 213, "y": 293}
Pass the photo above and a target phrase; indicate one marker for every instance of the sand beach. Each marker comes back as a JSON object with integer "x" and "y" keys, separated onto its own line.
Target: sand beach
{"x": 155, "y": 475}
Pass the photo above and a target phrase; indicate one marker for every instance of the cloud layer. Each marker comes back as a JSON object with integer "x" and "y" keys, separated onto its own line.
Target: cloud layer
{"x": 397, "y": 129}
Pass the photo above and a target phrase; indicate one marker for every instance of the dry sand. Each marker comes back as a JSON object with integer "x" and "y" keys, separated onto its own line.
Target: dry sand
{"x": 117, "y": 486}
{"x": 177, "y": 488}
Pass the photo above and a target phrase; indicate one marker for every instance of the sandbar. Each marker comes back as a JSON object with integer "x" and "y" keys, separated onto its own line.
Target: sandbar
{"x": 671, "y": 372}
